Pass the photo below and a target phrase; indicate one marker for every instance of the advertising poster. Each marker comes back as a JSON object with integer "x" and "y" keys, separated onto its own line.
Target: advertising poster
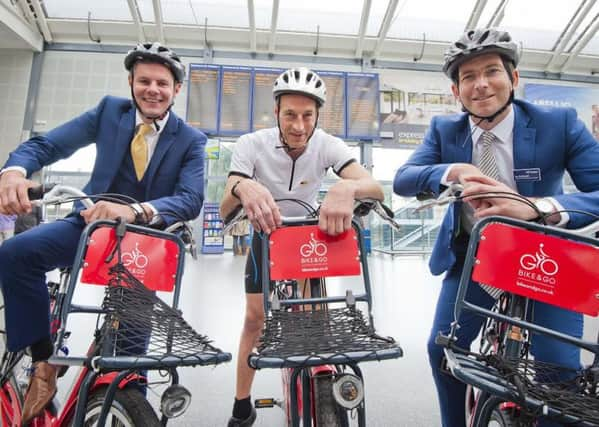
{"x": 584, "y": 99}
{"x": 405, "y": 115}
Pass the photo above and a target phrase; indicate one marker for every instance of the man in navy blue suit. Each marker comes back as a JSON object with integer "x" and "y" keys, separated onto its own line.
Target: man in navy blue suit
{"x": 162, "y": 167}
{"x": 531, "y": 149}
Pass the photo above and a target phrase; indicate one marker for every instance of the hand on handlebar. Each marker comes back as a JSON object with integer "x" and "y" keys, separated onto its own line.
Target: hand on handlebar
{"x": 259, "y": 205}
{"x": 504, "y": 205}
{"x": 337, "y": 209}
{"x": 108, "y": 210}
{"x": 13, "y": 193}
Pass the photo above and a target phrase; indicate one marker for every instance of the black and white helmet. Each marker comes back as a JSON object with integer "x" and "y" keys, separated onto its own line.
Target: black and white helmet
{"x": 156, "y": 53}
{"x": 478, "y": 42}
{"x": 301, "y": 81}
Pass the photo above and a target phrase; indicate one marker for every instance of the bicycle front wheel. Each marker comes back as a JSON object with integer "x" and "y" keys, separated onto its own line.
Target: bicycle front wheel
{"x": 493, "y": 414}
{"x": 327, "y": 413}
{"x": 129, "y": 408}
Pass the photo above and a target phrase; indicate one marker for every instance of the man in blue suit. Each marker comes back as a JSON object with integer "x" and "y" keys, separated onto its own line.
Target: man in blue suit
{"x": 531, "y": 149}
{"x": 162, "y": 167}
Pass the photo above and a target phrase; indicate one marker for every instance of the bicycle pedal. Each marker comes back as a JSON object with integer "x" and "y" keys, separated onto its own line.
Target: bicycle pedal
{"x": 266, "y": 403}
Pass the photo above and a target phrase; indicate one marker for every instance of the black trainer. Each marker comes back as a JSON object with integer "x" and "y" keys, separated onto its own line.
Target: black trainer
{"x": 247, "y": 422}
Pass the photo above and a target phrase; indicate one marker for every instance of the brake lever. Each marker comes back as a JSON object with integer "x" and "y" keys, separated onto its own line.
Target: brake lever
{"x": 387, "y": 214}
{"x": 450, "y": 194}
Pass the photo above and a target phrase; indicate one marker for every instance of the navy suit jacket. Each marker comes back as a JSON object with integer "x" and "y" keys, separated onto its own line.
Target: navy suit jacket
{"x": 175, "y": 175}
{"x": 553, "y": 140}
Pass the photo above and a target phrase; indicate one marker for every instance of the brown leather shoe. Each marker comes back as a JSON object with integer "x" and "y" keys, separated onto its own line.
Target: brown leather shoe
{"x": 41, "y": 390}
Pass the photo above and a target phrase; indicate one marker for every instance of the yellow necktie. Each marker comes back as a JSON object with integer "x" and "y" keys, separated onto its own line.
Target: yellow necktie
{"x": 139, "y": 150}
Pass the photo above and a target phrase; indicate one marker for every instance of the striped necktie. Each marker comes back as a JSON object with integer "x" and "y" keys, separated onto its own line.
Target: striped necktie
{"x": 139, "y": 150}
{"x": 488, "y": 166}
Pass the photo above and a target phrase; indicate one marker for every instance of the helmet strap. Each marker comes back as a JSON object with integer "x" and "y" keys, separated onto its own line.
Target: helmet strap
{"x": 153, "y": 117}
{"x": 495, "y": 114}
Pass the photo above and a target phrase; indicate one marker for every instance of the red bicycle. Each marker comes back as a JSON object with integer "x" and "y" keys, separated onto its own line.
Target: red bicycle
{"x": 318, "y": 340}
{"x": 529, "y": 262}
{"x": 135, "y": 330}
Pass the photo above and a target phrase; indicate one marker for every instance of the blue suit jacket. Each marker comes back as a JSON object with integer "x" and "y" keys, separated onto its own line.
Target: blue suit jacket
{"x": 175, "y": 175}
{"x": 551, "y": 139}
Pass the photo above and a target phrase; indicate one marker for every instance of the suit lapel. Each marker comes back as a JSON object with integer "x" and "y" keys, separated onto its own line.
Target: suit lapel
{"x": 463, "y": 143}
{"x": 524, "y": 148}
{"x": 167, "y": 137}
{"x": 122, "y": 141}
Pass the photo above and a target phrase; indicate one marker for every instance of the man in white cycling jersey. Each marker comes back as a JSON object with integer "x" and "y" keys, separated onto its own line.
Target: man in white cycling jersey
{"x": 289, "y": 161}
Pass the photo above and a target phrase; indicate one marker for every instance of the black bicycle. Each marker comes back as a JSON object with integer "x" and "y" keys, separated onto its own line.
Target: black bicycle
{"x": 316, "y": 339}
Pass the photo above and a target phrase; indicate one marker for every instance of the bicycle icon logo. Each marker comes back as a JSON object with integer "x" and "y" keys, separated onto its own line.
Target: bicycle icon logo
{"x": 135, "y": 257}
{"x": 313, "y": 247}
{"x": 540, "y": 261}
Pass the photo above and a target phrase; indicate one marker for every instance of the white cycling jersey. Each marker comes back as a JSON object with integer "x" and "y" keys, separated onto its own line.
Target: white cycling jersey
{"x": 260, "y": 155}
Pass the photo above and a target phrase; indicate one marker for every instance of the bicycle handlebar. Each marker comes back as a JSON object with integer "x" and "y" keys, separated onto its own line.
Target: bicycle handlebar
{"x": 453, "y": 193}
{"x": 362, "y": 208}
{"x": 49, "y": 194}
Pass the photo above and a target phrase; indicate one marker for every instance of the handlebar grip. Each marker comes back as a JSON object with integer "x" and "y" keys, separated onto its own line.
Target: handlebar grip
{"x": 425, "y": 195}
{"x": 36, "y": 193}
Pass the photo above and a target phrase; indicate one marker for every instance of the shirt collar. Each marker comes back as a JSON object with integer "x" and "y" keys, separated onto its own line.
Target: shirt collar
{"x": 502, "y": 130}
{"x": 161, "y": 122}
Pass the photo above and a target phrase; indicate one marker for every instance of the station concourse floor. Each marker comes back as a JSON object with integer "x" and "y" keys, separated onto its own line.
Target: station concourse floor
{"x": 399, "y": 392}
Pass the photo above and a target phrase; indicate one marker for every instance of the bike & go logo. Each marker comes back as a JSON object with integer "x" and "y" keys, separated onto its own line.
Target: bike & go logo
{"x": 538, "y": 268}
{"x": 313, "y": 255}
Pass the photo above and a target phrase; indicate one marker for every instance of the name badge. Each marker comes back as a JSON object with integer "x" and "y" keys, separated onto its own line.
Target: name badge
{"x": 533, "y": 174}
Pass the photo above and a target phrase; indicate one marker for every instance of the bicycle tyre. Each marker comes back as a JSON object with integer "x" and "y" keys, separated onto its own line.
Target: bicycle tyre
{"x": 327, "y": 413}
{"x": 490, "y": 414}
{"x": 129, "y": 408}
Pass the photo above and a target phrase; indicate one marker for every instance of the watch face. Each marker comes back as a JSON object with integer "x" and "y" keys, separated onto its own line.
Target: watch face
{"x": 545, "y": 206}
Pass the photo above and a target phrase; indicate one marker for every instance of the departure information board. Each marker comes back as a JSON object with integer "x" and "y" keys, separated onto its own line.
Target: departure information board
{"x": 263, "y": 105}
{"x": 332, "y": 115}
{"x": 235, "y": 98}
{"x": 363, "y": 105}
{"x": 203, "y": 97}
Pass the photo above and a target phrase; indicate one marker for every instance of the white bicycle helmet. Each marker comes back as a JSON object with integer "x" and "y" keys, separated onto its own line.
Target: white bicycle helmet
{"x": 156, "y": 53}
{"x": 474, "y": 43}
{"x": 301, "y": 81}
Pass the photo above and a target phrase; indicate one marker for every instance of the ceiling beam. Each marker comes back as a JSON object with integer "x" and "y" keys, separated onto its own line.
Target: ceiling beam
{"x": 25, "y": 31}
{"x": 141, "y": 38}
{"x": 498, "y": 15}
{"x": 252, "y": 20}
{"x": 41, "y": 20}
{"x": 475, "y": 15}
{"x": 26, "y": 10}
{"x": 363, "y": 24}
{"x": 273, "y": 27}
{"x": 385, "y": 25}
{"x": 566, "y": 35}
{"x": 582, "y": 41}
{"x": 159, "y": 21}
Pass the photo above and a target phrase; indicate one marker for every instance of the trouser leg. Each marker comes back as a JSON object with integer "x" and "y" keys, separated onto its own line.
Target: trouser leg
{"x": 24, "y": 261}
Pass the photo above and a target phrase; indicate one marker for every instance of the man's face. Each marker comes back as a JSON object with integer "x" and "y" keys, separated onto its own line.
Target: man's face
{"x": 297, "y": 118}
{"x": 484, "y": 85}
{"x": 153, "y": 87}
